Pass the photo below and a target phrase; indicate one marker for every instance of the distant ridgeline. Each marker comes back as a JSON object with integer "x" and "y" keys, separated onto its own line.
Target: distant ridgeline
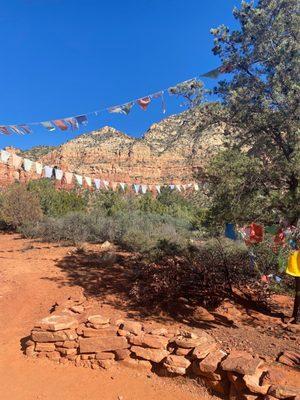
{"x": 171, "y": 151}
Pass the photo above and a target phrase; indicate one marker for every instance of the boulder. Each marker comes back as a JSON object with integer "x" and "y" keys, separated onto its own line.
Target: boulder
{"x": 193, "y": 340}
{"x": 182, "y": 352}
{"x": 211, "y": 362}
{"x": 241, "y": 362}
{"x": 290, "y": 358}
{"x": 122, "y": 354}
{"x": 99, "y": 344}
{"x": 105, "y": 356}
{"x": 252, "y": 383}
{"x": 159, "y": 332}
{"x": 91, "y": 332}
{"x": 201, "y": 314}
{"x": 284, "y": 392}
{"x": 177, "y": 361}
{"x": 144, "y": 340}
{"x": 202, "y": 350}
{"x": 155, "y": 355}
{"x": 69, "y": 344}
{"x": 209, "y": 375}
{"x": 77, "y": 309}
{"x": 58, "y": 323}
{"x": 98, "y": 320}
{"x": 44, "y": 347}
{"x": 132, "y": 327}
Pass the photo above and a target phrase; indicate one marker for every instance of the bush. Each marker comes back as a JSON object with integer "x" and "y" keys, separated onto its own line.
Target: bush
{"x": 55, "y": 203}
{"x": 19, "y": 206}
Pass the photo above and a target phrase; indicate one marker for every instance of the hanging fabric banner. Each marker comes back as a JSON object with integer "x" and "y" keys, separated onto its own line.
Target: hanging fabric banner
{"x": 136, "y": 187}
{"x": 82, "y": 120}
{"x": 79, "y": 179}
{"x": 58, "y": 174}
{"x": 144, "y": 189}
{"x": 122, "y": 184}
{"x": 73, "y": 123}
{"x": 97, "y": 183}
{"x": 88, "y": 180}
{"x": 60, "y": 123}
{"x": 15, "y": 129}
{"x": 4, "y": 156}
{"x": 27, "y": 164}
{"x": 68, "y": 177}
{"x": 144, "y": 102}
{"x": 48, "y": 171}
{"x": 48, "y": 125}
{"x": 24, "y": 128}
{"x": 106, "y": 184}
{"x": 38, "y": 168}
{"x": 16, "y": 161}
{"x": 5, "y": 130}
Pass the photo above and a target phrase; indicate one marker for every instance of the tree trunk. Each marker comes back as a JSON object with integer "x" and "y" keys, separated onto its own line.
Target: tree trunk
{"x": 296, "y": 311}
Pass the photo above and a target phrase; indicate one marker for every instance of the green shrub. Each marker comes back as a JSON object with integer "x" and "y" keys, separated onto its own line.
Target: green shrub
{"x": 55, "y": 203}
{"x": 19, "y": 206}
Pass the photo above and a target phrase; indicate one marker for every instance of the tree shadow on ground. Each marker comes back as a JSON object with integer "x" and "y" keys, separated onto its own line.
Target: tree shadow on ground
{"x": 109, "y": 278}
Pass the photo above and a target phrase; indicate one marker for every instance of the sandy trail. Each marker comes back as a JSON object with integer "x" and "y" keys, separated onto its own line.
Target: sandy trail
{"x": 26, "y": 295}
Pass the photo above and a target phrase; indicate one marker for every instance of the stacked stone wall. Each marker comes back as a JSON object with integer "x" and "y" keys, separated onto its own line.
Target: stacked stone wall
{"x": 72, "y": 335}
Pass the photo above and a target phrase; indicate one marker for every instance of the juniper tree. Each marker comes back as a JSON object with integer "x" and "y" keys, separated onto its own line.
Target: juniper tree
{"x": 260, "y": 98}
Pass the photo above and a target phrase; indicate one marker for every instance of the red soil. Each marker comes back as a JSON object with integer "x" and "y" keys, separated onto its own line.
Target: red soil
{"x": 27, "y": 292}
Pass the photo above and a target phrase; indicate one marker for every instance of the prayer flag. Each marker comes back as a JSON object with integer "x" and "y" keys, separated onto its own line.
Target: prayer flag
{"x": 114, "y": 185}
{"x": 106, "y": 184}
{"x": 157, "y": 188}
{"x": 144, "y": 102}
{"x": 48, "y": 171}
{"x": 16, "y": 161}
{"x": 5, "y": 130}
{"x": 196, "y": 187}
{"x": 68, "y": 177}
{"x": 79, "y": 179}
{"x": 82, "y": 120}
{"x": 27, "y": 164}
{"x": 15, "y": 129}
{"x": 58, "y": 174}
{"x": 214, "y": 73}
{"x": 73, "y": 123}
{"x": 24, "y": 129}
{"x": 60, "y": 123}
{"x": 48, "y": 125}
{"x": 144, "y": 189}
{"x": 88, "y": 180}
{"x": 38, "y": 168}
{"x": 230, "y": 231}
{"x": 136, "y": 187}
{"x": 161, "y": 96}
{"x": 178, "y": 188}
{"x": 122, "y": 184}
{"x": 172, "y": 187}
{"x": 4, "y": 156}
{"x": 97, "y": 183}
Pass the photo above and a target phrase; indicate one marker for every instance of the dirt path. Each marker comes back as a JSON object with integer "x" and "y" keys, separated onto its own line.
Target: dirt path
{"x": 26, "y": 295}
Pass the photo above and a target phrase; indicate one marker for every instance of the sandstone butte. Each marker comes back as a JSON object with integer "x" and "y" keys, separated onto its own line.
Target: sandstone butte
{"x": 175, "y": 149}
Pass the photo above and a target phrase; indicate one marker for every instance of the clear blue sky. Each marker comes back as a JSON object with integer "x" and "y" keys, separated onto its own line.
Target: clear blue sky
{"x": 62, "y": 58}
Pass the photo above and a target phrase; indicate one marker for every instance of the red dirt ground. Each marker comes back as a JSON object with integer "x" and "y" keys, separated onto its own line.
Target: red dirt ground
{"x": 26, "y": 295}
{"x": 35, "y": 276}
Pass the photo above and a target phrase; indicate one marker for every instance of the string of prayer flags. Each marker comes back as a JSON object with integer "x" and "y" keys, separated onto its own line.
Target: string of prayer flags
{"x": 4, "y": 130}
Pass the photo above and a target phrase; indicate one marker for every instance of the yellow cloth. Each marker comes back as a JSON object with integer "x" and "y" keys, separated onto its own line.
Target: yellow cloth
{"x": 293, "y": 266}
